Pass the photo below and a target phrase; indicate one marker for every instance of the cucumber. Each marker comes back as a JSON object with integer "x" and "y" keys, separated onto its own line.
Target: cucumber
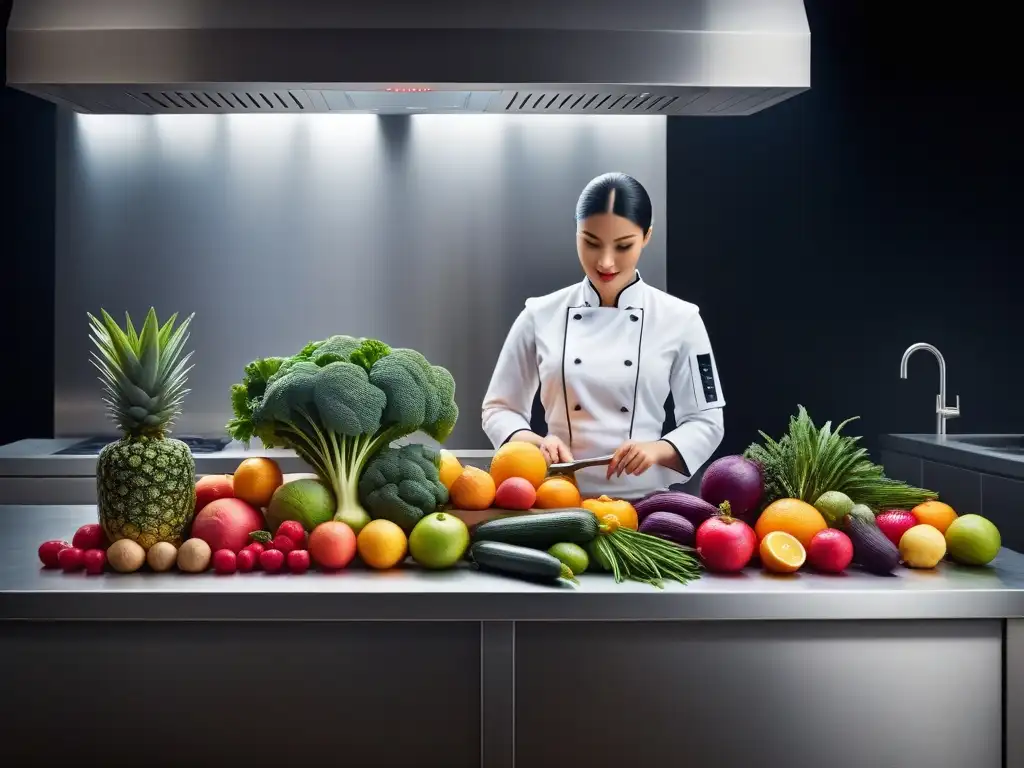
{"x": 523, "y": 562}
{"x": 541, "y": 530}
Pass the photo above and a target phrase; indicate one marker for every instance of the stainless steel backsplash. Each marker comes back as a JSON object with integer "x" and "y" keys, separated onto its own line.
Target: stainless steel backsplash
{"x": 427, "y": 232}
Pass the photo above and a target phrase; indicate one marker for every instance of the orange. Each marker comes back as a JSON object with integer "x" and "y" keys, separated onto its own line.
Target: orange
{"x": 557, "y": 493}
{"x": 936, "y": 514}
{"x": 382, "y": 544}
{"x": 518, "y": 459}
{"x": 450, "y": 469}
{"x": 474, "y": 489}
{"x": 256, "y": 479}
{"x": 623, "y": 512}
{"x": 781, "y": 552}
{"x": 791, "y": 516}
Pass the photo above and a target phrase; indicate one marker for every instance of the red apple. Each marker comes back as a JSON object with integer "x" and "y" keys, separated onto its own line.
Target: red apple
{"x": 515, "y": 493}
{"x": 894, "y": 523}
{"x": 212, "y": 487}
{"x": 227, "y": 523}
{"x": 725, "y": 544}
{"x": 831, "y": 551}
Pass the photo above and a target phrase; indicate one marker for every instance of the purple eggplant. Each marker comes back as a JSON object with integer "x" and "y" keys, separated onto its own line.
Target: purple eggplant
{"x": 669, "y": 526}
{"x": 693, "y": 508}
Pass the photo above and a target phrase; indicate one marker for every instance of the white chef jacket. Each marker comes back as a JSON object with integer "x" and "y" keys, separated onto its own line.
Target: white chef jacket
{"x": 605, "y": 374}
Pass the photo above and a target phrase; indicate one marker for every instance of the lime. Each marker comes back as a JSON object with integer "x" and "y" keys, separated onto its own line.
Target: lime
{"x": 834, "y": 506}
{"x": 572, "y": 555}
{"x": 922, "y": 546}
{"x": 973, "y": 540}
{"x": 438, "y": 541}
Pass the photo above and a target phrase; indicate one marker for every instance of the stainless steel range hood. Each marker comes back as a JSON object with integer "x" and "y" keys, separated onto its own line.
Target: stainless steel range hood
{"x": 644, "y": 57}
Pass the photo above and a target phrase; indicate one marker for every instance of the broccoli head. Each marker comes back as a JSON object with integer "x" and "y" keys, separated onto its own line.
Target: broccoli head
{"x": 402, "y": 485}
{"x": 340, "y": 401}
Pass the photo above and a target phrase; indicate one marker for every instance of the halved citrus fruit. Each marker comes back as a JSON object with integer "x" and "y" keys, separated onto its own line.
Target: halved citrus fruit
{"x": 782, "y": 552}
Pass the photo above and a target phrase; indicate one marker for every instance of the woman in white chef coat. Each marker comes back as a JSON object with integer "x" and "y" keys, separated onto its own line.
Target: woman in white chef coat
{"x": 605, "y": 354}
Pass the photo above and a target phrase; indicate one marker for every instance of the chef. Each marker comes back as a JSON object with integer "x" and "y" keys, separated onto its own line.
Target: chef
{"x": 605, "y": 354}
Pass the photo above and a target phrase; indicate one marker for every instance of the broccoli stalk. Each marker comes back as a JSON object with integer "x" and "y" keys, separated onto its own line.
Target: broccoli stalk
{"x": 338, "y": 403}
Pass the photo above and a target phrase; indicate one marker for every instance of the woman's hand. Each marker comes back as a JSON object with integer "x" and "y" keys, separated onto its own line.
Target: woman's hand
{"x": 634, "y": 458}
{"x": 554, "y": 450}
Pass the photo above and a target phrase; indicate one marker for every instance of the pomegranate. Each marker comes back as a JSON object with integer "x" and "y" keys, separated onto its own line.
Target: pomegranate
{"x": 831, "y": 551}
{"x": 894, "y": 523}
{"x": 725, "y": 544}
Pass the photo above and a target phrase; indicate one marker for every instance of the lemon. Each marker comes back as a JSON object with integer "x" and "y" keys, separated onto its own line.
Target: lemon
{"x": 782, "y": 552}
{"x": 382, "y": 544}
{"x": 922, "y": 546}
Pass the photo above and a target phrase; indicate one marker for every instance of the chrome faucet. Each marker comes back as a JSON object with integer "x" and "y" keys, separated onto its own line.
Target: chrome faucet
{"x": 942, "y": 411}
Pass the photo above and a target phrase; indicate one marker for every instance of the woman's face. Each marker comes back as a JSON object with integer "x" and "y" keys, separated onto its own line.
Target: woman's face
{"x": 609, "y": 247}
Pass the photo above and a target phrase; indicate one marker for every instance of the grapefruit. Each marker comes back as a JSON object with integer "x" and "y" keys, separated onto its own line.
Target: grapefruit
{"x": 332, "y": 545}
{"x": 519, "y": 459}
{"x": 791, "y": 516}
{"x": 212, "y": 487}
{"x": 226, "y": 524}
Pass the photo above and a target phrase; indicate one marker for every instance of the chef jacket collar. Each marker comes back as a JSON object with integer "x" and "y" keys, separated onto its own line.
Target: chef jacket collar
{"x": 629, "y": 297}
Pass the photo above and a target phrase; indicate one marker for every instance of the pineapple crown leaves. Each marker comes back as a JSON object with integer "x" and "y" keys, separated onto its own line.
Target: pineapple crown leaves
{"x": 143, "y": 371}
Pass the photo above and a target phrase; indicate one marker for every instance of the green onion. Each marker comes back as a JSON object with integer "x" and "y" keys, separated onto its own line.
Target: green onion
{"x": 636, "y": 556}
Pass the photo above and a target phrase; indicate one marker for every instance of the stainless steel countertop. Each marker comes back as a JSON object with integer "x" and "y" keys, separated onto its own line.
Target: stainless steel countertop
{"x": 35, "y": 458}
{"x": 29, "y": 592}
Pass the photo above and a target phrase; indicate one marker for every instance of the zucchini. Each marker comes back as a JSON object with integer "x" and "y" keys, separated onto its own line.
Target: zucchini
{"x": 541, "y": 530}
{"x": 513, "y": 560}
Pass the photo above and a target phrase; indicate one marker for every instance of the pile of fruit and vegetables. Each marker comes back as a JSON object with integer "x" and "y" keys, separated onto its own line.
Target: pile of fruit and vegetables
{"x": 812, "y": 498}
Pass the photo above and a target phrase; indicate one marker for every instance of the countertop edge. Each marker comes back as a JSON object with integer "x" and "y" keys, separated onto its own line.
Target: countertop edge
{"x": 476, "y": 607}
{"x": 960, "y": 455}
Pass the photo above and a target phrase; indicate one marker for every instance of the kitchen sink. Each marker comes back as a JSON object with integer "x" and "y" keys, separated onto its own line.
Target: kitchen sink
{"x": 1013, "y": 444}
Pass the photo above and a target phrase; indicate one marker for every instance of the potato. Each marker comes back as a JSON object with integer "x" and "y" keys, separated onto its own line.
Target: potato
{"x": 162, "y": 556}
{"x": 126, "y": 556}
{"x": 194, "y": 556}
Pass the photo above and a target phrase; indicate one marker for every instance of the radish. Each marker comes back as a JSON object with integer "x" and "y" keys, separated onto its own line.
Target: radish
{"x": 284, "y": 543}
{"x": 724, "y": 543}
{"x": 272, "y": 560}
{"x": 245, "y": 560}
{"x": 90, "y": 536}
{"x": 298, "y": 561}
{"x": 293, "y": 530}
{"x": 224, "y": 562}
{"x": 70, "y": 559}
{"x": 49, "y": 550}
{"x": 95, "y": 561}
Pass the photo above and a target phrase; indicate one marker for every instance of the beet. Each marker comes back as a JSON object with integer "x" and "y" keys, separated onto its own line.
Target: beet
{"x": 734, "y": 479}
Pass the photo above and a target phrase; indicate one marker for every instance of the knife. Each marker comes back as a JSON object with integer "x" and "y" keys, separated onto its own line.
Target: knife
{"x": 569, "y": 467}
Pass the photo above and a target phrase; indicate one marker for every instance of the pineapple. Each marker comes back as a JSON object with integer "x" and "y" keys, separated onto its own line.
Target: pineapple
{"x": 146, "y": 481}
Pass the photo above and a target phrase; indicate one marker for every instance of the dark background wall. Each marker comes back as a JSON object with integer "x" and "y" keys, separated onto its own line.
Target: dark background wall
{"x": 820, "y": 238}
{"x": 824, "y": 236}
